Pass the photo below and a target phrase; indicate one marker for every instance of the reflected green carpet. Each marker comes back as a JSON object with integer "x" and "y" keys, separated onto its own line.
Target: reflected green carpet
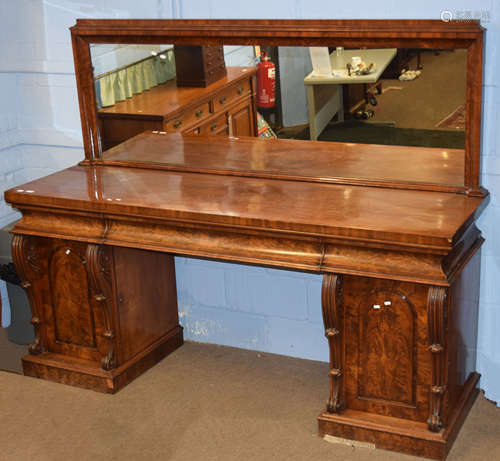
{"x": 368, "y": 133}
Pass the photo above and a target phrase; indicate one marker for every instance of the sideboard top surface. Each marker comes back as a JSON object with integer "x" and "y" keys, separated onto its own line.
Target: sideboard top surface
{"x": 331, "y": 162}
{"x": 418, "y": 218}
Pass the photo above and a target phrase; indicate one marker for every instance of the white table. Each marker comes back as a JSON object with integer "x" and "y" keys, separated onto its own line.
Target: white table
{"x": 324, "y": 93}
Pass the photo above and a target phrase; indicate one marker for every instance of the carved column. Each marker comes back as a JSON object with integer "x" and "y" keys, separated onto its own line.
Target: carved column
{"x": 436, "y": 317}
{"x": 99, "y": 270}
{"x": 24, "y": 255}
{"x": 331, "y": 300}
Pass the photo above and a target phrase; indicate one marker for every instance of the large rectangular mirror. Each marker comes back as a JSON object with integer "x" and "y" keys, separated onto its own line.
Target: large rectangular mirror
{"x": 381, "y": 110}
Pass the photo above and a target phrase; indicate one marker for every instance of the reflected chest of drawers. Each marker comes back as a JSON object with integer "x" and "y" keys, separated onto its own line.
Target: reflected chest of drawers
{"x": 226, "y": 107}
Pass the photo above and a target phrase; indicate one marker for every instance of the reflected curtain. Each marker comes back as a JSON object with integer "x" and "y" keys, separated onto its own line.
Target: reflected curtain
{"x": 133, "y": 79}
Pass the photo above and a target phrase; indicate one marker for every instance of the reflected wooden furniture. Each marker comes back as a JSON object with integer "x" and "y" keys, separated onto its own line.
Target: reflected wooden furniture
{"x": 325, "y": 94}
{"x": 395, "y": 240}
{"x": 199, "y": 65}
{"x": 226, "y": 107}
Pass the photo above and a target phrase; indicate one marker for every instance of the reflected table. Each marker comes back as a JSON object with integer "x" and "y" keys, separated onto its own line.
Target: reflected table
{"x": 324, "y": 93}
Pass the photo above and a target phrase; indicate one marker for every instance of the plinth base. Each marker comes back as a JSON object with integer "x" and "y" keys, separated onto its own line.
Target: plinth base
{"x": 81, "y": 373}
{"x": 398, "y": 434}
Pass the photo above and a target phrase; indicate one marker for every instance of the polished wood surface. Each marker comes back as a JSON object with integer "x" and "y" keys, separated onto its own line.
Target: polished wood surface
{"x": 417, "y": 218}
{"x": 347, "y": 33}
{"x": 314, "y": 161}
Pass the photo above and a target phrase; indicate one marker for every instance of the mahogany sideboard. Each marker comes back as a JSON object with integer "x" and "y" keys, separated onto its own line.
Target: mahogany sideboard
{"x": 225, "y": 107}
{"x": 391, "y": 229}
{"x": 94, "y": 250}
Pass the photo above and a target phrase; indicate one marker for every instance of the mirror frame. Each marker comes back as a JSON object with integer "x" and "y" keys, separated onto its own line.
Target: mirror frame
{"x": 348, "y": 33}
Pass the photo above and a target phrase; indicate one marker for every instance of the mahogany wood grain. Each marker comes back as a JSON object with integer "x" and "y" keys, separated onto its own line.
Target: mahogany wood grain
{"x": 437, "y": 307}
{"x": 315, "y": 161}
{"x": 332, "y": 307}
{"x": 84, "y": 374}
{"x": 398, "y": 434}
{"x": 404, "y": 361}
{"x": 462, "y": 330}
{"x": 146, "y": 308}
{"x": 387, "y": 367}
{"x": 413, "y": 218}
{"x": 347, "y": 33}
{"x": 24, "y": 256}
{"x": 91, "y": 312}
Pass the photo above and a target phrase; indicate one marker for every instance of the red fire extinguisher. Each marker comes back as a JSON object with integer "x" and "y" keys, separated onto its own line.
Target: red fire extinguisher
{"x": 266, "y": 82}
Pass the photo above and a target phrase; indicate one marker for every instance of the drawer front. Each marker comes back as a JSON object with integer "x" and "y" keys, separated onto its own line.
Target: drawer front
{"x": 188, "y": 118}
{"x": 214, "y": 126}
{"x": 226, "y": 97}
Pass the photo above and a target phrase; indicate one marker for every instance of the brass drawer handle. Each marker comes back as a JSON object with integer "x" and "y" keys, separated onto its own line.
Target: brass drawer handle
{"x": 222, "y": 100}
{"x": 213, "y": 127}
{"x": 178, "y": 123}
{"x": 198, "y": 113}
{"x": 240, "y": 90}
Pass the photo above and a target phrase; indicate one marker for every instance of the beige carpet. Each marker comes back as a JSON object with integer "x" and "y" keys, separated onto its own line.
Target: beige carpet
{"x": 424, "y": 102}
{"x": 10, "y": 354}
{"x": 203, "y": 402}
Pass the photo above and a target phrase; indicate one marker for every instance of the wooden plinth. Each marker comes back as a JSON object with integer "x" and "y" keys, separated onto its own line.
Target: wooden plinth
{"x": 399, "y": 434}
{"x": 80, "y": 373}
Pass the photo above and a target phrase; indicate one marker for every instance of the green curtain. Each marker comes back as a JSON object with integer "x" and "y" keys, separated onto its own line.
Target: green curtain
{"x": 134, "y": 79}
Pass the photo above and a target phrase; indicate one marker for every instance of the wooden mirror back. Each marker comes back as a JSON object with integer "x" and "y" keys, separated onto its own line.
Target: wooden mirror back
{"x": 421, "y": 34}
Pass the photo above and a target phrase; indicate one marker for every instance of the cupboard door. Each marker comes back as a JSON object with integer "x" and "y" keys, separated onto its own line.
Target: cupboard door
{"x": 77, "y": 308}
{"x": 241, "y": 120}
{"x": 386, "y": 347}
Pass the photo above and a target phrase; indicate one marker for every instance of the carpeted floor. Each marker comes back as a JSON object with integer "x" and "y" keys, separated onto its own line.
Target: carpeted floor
{"x": 10, "y": 353}
{"x": 368, "y": 133}
{"x": 415, "y": 108}
{"x": 203, "y": 402}
{"x": 424, "y": 102}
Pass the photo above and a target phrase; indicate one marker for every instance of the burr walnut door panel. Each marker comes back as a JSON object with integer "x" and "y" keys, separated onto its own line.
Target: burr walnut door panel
{"x": 72, "y": 315}
{"x": 386, "y": 349}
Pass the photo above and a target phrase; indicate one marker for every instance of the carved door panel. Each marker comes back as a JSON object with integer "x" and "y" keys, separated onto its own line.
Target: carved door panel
{"x": 75, "y": 322}
{"x": 386, "y": 347}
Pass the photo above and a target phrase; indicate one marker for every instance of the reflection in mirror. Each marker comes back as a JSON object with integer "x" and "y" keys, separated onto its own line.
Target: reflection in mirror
{"x": 403, "y": 97}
